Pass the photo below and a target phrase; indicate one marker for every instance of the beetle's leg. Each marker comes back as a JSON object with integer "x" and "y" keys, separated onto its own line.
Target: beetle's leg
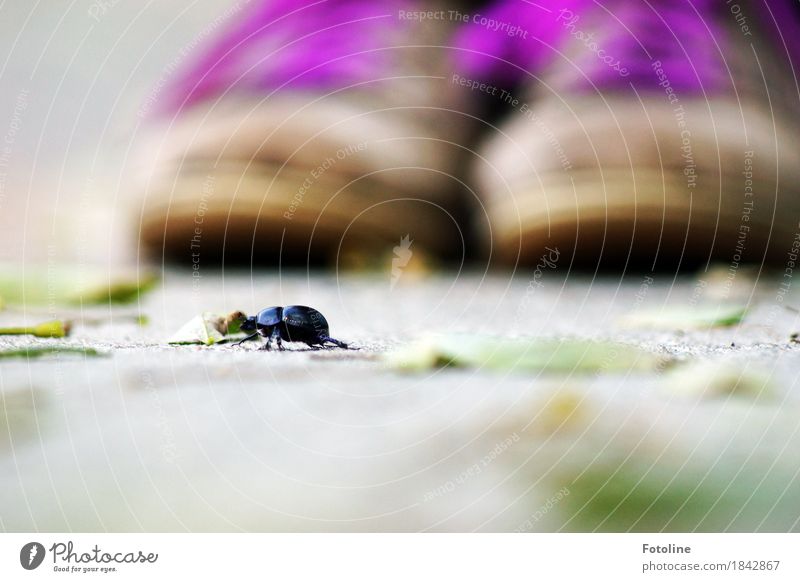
{"x": 246, "y": 339}
{"x": 267, "y": 346}
{"x": 276, "y": 333}
{"x": 336, "y": 342}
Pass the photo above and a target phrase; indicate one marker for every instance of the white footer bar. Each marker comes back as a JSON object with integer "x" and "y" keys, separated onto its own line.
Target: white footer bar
{"x": 401, "y": 557}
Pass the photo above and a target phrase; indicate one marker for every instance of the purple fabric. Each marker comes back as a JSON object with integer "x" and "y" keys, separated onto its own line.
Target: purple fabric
{"x": 324, "y": 44}
{"x": 780, "y": 21}
{"x": 681, "y": 34}
{"x": 302, "y": 43}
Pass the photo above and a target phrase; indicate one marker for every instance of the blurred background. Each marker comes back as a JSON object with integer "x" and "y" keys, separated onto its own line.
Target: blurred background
{"x": 570, "y": 154}
{"x": 75, "y": 77}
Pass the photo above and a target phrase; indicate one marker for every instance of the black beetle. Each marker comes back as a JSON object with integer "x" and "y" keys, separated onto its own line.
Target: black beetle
{"x": 293, "y": 323}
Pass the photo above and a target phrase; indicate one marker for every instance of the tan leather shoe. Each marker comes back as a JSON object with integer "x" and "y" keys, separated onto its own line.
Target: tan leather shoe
{"x": 646, "y": 133}
{"x": 305, "y": 131}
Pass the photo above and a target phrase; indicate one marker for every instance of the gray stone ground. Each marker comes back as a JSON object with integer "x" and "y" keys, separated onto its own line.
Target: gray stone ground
{"x": 159, "y": 438}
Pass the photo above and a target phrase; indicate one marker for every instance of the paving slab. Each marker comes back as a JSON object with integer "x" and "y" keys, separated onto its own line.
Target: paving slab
{"x": 155, "y": 437}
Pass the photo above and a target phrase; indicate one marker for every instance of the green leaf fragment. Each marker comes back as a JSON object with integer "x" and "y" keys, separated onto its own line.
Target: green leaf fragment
{"x": 39, "y": 351}
{"x": 119, "y": 291}
{"x": 204, "y": 329}
{"x": 208, "y": 329}
{"x": 137, "y": 319}
{"x": 687, "y": 317}
{"x": 642, "y": 495}
{"x": 233, "y": 323}
{"x": 70, "y": 285}
{"x": 55, "y": 328}
{"x": 546, "y": 355}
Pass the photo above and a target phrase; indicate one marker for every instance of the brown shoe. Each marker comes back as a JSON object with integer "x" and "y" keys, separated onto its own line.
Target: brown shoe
{"x": 653, "y": 133}
{"x": 303, "y": 132}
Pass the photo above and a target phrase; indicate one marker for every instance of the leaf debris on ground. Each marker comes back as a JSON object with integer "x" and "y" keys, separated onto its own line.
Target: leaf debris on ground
{"x": 38, "y": 351}
{"x": 71, "y": 285}
{"x": 546, "y": 355}
{"x": 209, "y": 329}
{"x": 55, "y": 328}
{"x": 687, "y": 318}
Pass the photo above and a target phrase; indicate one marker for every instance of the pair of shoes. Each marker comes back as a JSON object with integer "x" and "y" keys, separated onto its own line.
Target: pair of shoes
{"x": 614, "y": 131}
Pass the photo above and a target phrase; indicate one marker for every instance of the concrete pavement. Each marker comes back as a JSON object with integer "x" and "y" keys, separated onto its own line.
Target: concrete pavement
{"x": 162, "y": 438}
